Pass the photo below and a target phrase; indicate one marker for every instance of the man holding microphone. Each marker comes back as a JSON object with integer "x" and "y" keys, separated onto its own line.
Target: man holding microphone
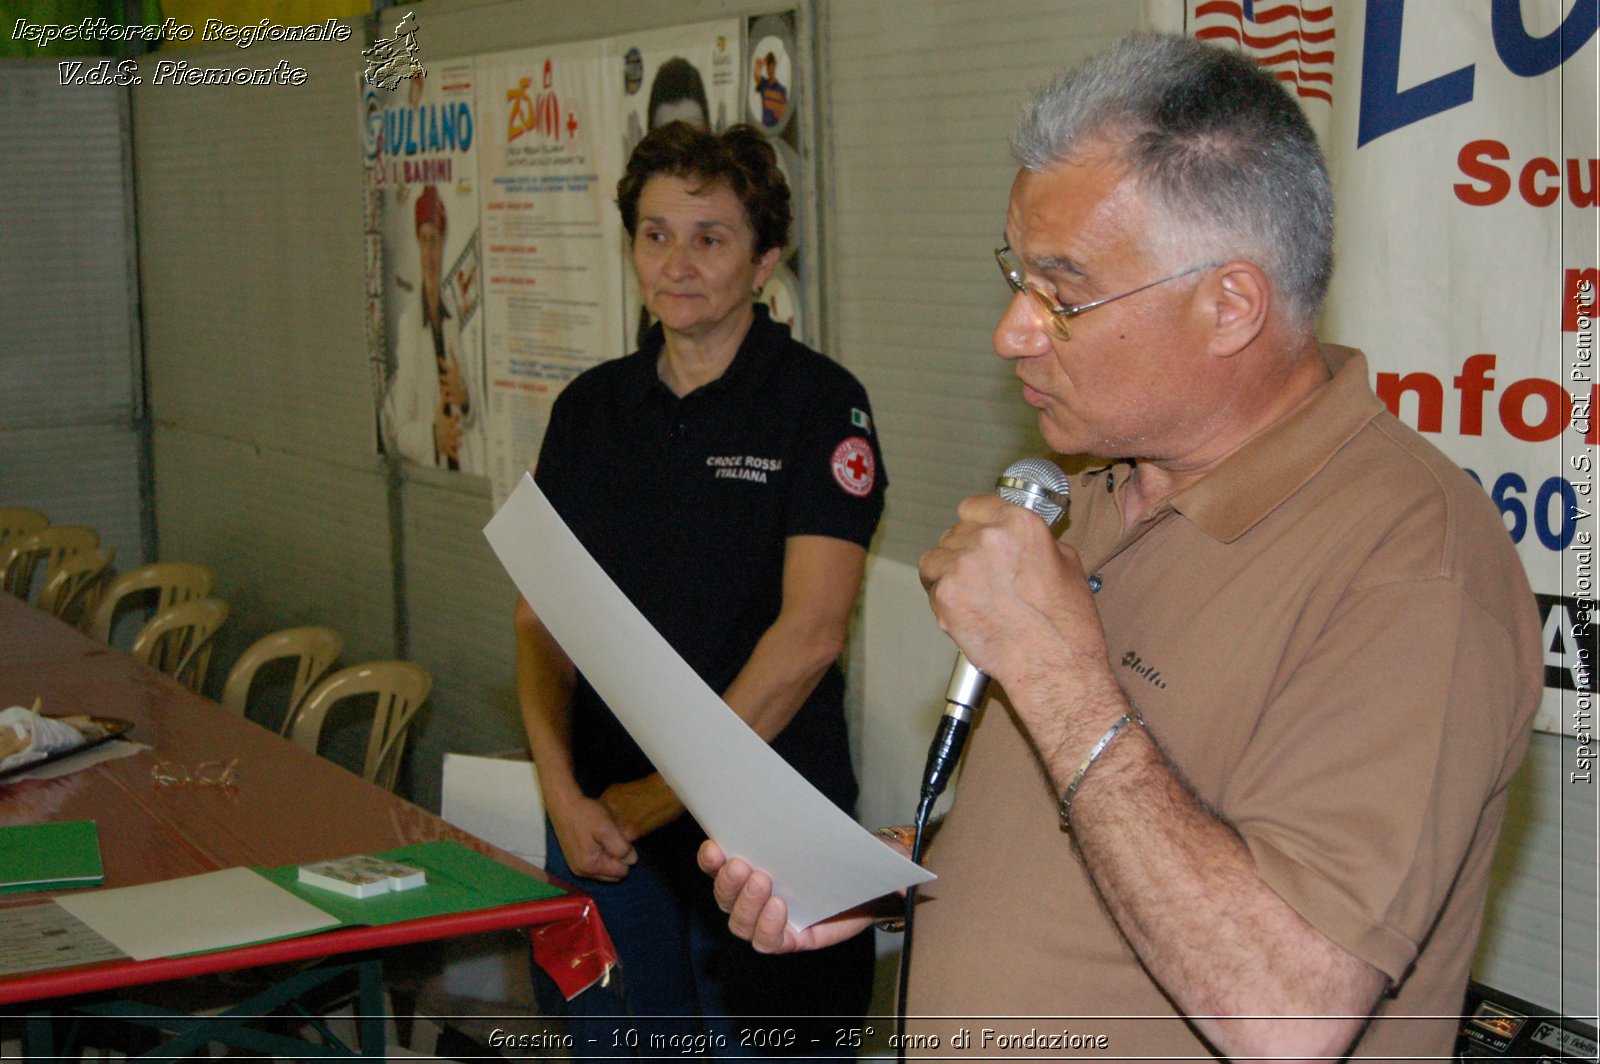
{"x": 1261, "y": 704}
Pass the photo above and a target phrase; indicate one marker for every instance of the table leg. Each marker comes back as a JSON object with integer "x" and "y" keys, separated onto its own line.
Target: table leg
{"x": 369, "y": 1009}
{"x": 39, "y": 1037}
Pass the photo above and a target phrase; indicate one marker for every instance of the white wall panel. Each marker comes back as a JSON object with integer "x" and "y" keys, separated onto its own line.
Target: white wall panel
{"x": 1539, "y": 940}
{"x": 69, "y": 390}
{"x": 250, "y": 232}
{"x": 78, "y": 475}
{"x": 459, "y": 601}
{"x": 294, "y": 540}
{"x": 923, "y": 95}
{"x": 251, "y": 253}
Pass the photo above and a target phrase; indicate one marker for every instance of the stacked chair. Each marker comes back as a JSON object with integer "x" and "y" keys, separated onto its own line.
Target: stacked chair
{"x": 49, "y": 546}
{"x": 396, "y": 690}
{"x": 313, "y": 650}
{"x": 177, "y": 640}
{"x": 16, "y": 522}
{"x": 399, "y": 688}
{"x": 170, "y": 583}
{"x": 183, "y": 621}
{"x": 75, "y": 589}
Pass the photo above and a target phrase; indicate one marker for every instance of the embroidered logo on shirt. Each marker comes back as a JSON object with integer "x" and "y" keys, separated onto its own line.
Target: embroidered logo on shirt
{"x": 860, "y": 418}
{"x": 854, "y": 467}
{"x": 743, "y": 467}
{"x": 1132, "y": 661}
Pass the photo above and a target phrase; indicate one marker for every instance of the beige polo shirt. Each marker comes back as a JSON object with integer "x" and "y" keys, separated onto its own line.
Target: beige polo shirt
{"x": 1332, "y": 637}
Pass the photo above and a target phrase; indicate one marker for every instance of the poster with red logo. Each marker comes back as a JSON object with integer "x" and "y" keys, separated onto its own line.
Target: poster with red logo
{"x": 1462, "y": 143}
{"x": 549, "y": 161}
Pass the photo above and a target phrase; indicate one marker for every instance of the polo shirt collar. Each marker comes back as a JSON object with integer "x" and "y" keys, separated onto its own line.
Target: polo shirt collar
{"x": 744, "y": 376}
{"x": 1257, "y": 478}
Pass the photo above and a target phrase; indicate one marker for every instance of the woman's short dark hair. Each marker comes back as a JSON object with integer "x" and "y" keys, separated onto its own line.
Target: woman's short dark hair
{"x": 739, "y": 157}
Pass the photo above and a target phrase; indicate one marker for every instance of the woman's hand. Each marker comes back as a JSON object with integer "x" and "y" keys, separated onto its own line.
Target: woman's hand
{"x": 594, "y": 843}
{"x": 641, "y": 806}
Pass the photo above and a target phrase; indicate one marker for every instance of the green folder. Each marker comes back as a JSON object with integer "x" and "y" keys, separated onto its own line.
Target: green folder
{"x": 50, "y": 856}
{"x": 459, "y": 880}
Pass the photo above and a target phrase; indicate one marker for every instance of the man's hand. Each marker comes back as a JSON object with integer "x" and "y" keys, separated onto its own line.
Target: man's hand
{"x": 1018, "y": 603}
{"x": 593, "y": 842}
{"x": 641, "y": 806}
{"x": 760, "y": 918}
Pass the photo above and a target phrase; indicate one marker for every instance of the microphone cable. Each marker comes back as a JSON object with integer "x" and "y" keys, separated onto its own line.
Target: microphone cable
{"x": 924, "y": 809}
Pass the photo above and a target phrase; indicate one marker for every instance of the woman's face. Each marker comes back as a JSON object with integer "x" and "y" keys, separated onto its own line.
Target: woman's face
{"x": 694, "y": 252}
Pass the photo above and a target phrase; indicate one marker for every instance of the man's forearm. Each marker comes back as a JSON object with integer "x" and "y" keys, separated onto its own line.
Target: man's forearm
{"x": 1253, "y": 976}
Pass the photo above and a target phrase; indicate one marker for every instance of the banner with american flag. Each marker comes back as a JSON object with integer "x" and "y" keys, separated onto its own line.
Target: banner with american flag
{"x": 1296, "y": 41}
{"x": 1293, "y": 41}
{"x": 1462, "y": 142}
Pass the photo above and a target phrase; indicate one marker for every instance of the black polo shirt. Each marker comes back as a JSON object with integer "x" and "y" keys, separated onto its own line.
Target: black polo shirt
{"x": 687, "y": 504}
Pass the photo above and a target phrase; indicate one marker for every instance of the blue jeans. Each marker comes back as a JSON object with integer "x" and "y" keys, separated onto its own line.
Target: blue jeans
{"x": 688, "y": 984}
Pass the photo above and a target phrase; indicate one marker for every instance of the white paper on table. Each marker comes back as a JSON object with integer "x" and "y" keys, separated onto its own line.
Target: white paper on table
{"x": 745, "y": 795}
{"x": 498, "y": 800}
{"x": 215, "y": 910}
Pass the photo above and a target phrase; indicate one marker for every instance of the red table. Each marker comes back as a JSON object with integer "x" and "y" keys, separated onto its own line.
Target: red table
{"x": 288, "y": 807}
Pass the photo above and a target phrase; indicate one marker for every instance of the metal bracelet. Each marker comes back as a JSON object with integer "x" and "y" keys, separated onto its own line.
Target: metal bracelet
{"x": 1095, "y": 751}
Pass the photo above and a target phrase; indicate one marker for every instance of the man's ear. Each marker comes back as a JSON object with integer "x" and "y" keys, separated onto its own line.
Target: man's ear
{"x": 1236, "y": 300}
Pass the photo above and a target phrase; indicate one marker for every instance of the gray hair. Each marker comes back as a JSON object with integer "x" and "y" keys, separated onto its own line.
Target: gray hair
{"x": 1224, "y": 156}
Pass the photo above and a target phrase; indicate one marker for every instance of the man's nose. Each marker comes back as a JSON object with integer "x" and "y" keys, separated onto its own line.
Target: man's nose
{"x": 1019, "y": 332}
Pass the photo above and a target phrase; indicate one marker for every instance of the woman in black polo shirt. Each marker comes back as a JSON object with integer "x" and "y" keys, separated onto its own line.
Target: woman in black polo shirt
{"x": 728, "y": 479}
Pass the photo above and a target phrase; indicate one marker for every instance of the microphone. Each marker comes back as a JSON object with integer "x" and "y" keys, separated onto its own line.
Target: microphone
{"x": 1035, "y": 485}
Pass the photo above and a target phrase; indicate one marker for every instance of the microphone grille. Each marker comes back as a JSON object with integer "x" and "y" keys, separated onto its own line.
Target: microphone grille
{"x": 1035, "y": 484}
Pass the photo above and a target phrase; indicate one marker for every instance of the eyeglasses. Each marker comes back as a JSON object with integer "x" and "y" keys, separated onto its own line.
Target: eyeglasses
{"x": 205, "y": 774}
{"x": 1057, "y": 314}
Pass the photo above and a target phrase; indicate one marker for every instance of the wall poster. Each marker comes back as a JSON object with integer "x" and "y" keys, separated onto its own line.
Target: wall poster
{"x": 773, "y": 99}
{"x": 497, "y": 267}
{"x": 423, "y": 177}
{"x": 550, "y": 160}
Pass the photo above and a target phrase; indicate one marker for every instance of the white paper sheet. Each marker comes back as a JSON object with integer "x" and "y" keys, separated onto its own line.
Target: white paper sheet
{"x": 743, "y": 794}
{"x": 216, "y": 910}
{"x": 498, "y": 800}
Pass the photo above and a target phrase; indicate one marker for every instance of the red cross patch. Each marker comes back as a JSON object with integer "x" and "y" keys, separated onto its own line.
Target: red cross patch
{"x": 854, "y": 467}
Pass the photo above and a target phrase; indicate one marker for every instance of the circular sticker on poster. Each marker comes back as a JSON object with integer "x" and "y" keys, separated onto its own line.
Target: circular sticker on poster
{"x": 789, "y": 165}
{"x": 372, "y": 126}
{"x": 781, "y": 297}
{"x": 771, "y": 73}
{"x": 632, "y": 71}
